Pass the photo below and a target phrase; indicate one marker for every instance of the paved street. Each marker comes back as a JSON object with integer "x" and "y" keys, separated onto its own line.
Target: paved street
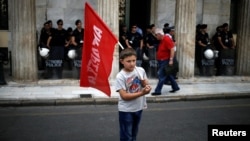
{"x": 173, "y": 121}
{"x": 68, "y": 92}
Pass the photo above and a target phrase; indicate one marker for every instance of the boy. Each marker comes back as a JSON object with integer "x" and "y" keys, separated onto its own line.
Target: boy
{"x": 132, "y": 85}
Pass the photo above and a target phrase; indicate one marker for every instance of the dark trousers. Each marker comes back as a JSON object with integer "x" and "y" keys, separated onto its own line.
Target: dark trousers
{"x": 162, "y": 77}
{"x": 129, "y": 125}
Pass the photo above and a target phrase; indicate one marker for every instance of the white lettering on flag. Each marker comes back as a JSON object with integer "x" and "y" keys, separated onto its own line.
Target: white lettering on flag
{"x": 94, "y": 62}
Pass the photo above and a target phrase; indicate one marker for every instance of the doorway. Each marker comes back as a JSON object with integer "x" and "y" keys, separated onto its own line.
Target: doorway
{"x": 139, "y": 13}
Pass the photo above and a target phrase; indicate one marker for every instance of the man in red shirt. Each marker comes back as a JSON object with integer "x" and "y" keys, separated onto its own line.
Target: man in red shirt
{"x": 165, "y": 56}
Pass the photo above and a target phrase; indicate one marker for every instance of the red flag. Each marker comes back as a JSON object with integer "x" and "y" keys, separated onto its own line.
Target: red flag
{"x": 97, "y": 55}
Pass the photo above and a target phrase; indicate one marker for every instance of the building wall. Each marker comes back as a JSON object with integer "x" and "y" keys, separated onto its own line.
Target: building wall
{"x": 215, "y": 13}
{"x": 67, "y": 10}
{"x": 211, "y": 12}
{"x": 165, "y": 12}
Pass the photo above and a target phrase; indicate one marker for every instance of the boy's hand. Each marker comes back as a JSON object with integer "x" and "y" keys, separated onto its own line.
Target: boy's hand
{"x": 146, "y": 89}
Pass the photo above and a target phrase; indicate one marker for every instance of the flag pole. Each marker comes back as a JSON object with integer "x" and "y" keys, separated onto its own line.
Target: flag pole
{"x": 120, "y": 45}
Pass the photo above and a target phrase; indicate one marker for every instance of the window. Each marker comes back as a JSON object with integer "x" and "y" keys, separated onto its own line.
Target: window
{"x": 4, "y": 15}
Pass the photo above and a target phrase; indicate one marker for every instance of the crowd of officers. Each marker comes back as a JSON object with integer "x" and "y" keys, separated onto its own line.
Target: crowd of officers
{"x": 59, "y": 41}
{"x": 146, "y": 44}
{"x": 221, "y": 41}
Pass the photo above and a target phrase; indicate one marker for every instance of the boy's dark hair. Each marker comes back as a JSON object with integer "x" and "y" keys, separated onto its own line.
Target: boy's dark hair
{"x": 127, "y": 52}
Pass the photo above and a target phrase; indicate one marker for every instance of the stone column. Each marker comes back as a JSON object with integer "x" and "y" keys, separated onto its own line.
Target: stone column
{"x": 108, "y": 10}
{"x": 185, "y": 20}
{"x": 243, "y": 36}
{"x": 23, "y": 40}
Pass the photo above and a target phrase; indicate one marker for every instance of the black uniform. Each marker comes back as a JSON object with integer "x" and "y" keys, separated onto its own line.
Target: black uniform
{"x": 134, "y": 40}
{"x": 152, "y": 41}
{"x": 43, "y": 43}
{"x": 204, "y": 38}
{"x": 79, "y": 37}
{"x": 122, "y": 38}
{"x": 44, "y": 37}
{"x": 56, "y": 54}
{"x": 226, "y": 38}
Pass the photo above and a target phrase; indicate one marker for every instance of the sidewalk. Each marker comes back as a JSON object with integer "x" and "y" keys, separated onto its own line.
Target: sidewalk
{"x": 68, "y": 92}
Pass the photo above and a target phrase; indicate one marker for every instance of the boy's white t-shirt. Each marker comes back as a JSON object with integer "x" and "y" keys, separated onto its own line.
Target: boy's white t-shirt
{"x": 130, "y": 81}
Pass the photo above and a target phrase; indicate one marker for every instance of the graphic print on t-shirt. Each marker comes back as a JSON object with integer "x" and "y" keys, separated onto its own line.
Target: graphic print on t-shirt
{"x": 134, "y": 84}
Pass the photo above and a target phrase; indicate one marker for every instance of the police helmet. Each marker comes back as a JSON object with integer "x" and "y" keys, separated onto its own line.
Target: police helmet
{"x": 72, "y": 54}
{"x": 209, "y": 54}
{"x": 44, "y": 52}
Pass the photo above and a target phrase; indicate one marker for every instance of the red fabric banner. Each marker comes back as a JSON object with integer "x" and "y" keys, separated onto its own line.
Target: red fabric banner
{"x": 97, "y": 55}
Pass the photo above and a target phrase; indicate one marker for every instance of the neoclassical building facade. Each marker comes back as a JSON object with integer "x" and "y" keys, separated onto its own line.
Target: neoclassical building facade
{"x": 26, "y": 18}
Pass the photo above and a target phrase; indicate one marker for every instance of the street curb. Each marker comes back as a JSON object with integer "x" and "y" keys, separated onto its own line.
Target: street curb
{"x": 112, "y": 101}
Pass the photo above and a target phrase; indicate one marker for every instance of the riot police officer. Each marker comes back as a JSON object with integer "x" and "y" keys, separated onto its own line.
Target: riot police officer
{"x": 77, "y": 41}
{"x": 202, "y": 40}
